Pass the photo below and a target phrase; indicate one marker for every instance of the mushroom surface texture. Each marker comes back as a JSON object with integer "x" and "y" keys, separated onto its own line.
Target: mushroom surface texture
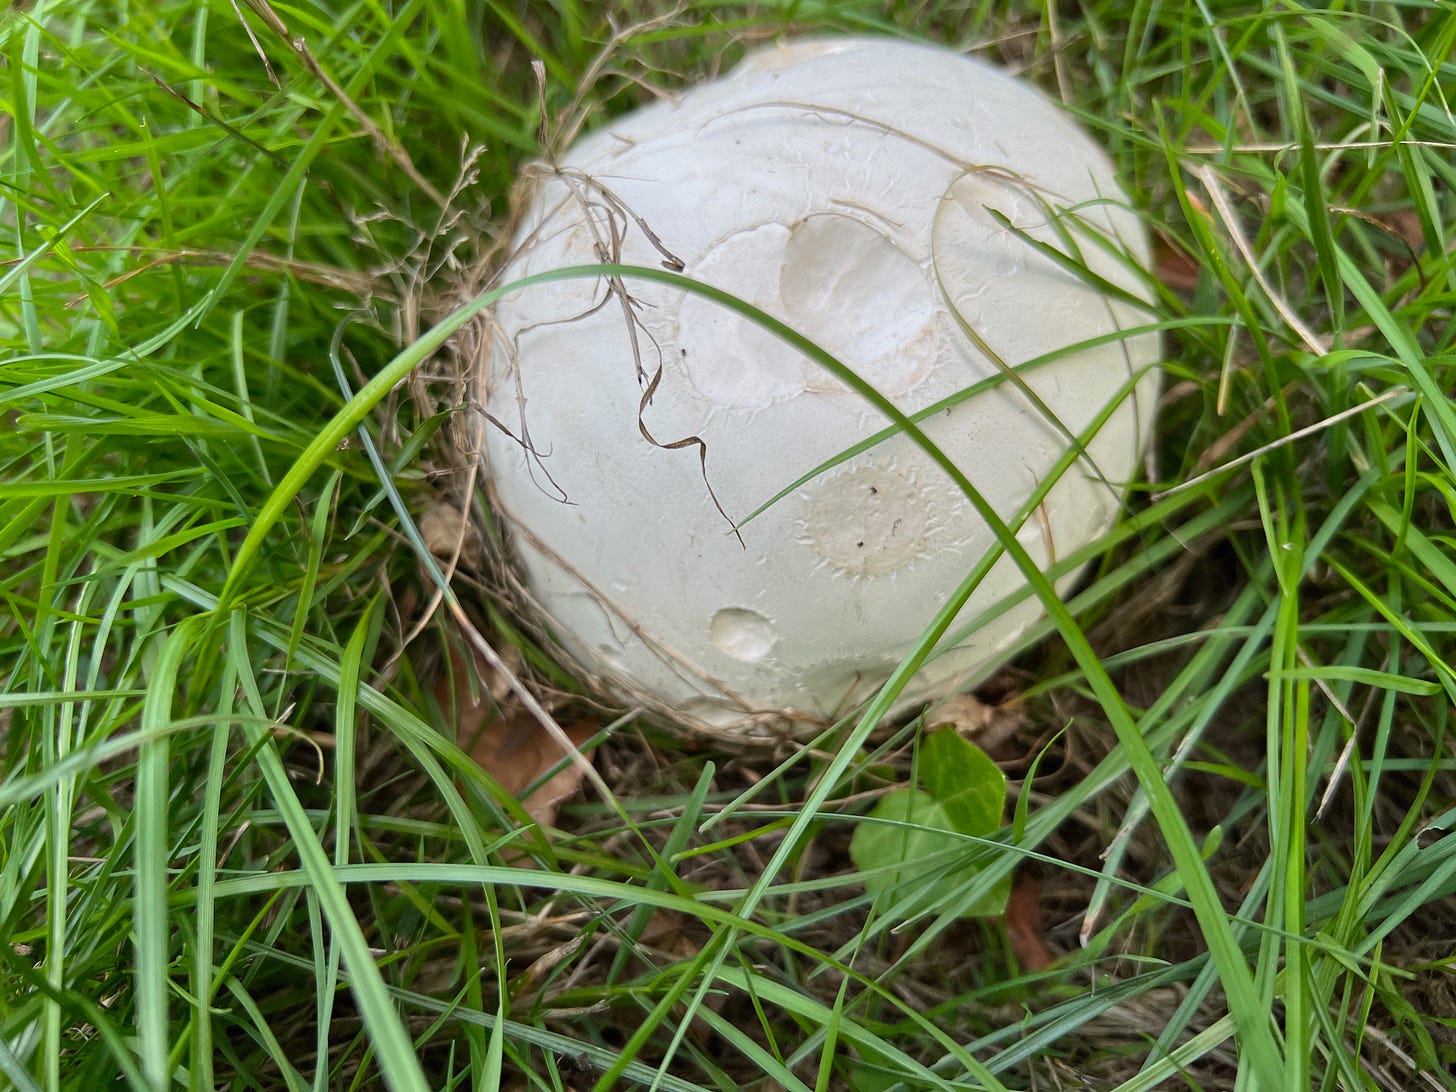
{"x": 903, "y": 208}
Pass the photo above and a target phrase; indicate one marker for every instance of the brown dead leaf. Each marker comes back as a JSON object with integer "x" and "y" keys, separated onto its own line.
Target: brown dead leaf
{"x": 1406, "y": 224}
{"x": 989, "y": 727}
{"x": 516, "y": 752}
{"x": 509, "y": 744}
{"x": 449, "y": 535}
{"x": 1023, "y": 925}
{"x": 667, "y": 932}
{"x": 1174, "y": 267}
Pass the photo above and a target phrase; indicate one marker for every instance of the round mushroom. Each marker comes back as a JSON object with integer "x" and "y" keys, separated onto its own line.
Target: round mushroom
{"x": 941, "y": 229}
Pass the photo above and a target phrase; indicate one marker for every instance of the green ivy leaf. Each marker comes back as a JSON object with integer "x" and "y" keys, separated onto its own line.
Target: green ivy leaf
{"x": 969, "y": 786}
{"x": 914, "y": 831}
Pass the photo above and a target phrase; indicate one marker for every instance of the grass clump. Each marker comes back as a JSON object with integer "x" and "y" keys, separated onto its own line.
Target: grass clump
{"x": 239, "y": 845}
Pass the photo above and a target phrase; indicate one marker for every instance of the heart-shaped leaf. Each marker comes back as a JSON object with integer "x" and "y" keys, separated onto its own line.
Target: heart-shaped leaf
{"x": 915, "y": 832}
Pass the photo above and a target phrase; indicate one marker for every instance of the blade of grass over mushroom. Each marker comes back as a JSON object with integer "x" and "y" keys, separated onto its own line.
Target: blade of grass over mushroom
{"x": 1068, "y": 458}
{"x": 979, "y": 387}
{"x": 1072, "y": 262}
{"x": 995, "y": 873}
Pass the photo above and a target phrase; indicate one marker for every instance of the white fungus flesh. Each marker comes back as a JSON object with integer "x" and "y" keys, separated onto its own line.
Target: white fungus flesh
{"x": 885, "y": 200}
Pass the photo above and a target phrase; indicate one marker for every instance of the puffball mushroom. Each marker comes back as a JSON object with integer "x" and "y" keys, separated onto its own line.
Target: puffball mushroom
{"x": 899, "y": 205}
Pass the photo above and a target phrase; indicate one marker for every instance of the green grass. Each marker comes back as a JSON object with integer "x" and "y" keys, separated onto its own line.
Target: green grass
{"x": 239, "y": 847}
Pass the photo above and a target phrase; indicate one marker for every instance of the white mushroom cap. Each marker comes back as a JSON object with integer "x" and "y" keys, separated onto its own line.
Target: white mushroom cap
{"x": 846, "y": 187}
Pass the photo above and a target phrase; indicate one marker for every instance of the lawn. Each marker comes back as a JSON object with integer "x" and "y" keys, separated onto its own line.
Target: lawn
{"x": 249, "y": 838}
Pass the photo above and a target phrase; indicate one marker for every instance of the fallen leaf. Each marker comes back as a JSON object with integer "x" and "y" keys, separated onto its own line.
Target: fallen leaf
{"x": 989, "y": 727}
{"x": 1173, "y": 266}
{"x": 667, "y": 932}
{"x": 1406, "y": 224}
{"x": 516, "y": 751}
{"x": 1023, "y": 925}
{"x": 448, "y": 535}
{"x": 967, "y": 714}
{"x": 508, "y": 743}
